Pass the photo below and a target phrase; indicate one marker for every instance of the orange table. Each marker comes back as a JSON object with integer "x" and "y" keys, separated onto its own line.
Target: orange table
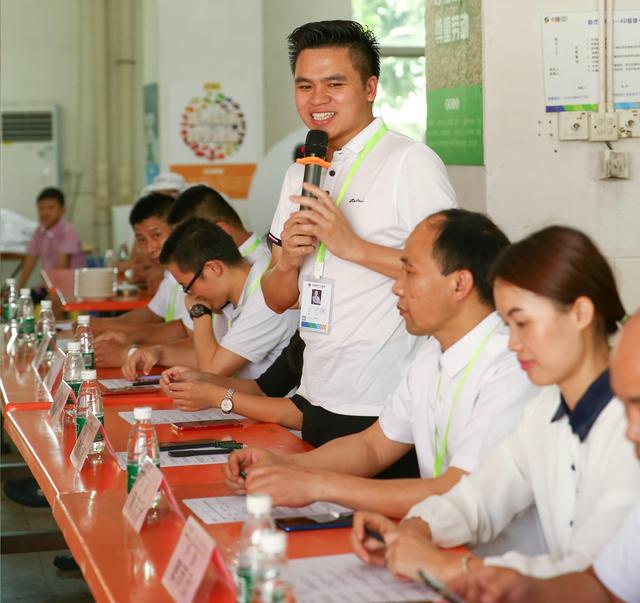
{"x": 60, "y": 282}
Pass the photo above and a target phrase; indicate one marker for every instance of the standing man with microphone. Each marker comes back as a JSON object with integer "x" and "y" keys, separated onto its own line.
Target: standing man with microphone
{"x": 345, "y": 247}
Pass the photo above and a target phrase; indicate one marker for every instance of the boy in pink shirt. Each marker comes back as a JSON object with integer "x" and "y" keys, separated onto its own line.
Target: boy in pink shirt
{"x": 55, "y": 242}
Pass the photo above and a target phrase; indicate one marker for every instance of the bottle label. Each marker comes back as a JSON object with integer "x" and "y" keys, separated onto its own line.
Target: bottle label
{"x": 27, "y": 326}
{"x": 245, "y": 585}
{"x": 80, "y": 422}
{"x": 75, "y": 386}
{"x": 132, "y": 473}
{"x": 87, "y": 360}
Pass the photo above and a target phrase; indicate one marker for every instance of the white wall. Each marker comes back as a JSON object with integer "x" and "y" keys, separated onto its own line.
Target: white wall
{"x": 532, "y": 179}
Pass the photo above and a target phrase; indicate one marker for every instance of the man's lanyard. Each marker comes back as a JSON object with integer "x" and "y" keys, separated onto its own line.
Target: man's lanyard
{"x": 252, "y": 247}
{"x": 170, "y": 313}
{"x": 318, "y": 269}
{"x": 252, "y": 289}
{"x": 438, "y": 455}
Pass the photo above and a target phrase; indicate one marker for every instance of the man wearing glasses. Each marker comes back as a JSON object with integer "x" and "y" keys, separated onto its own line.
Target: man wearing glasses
{"x": 220, "y": 285}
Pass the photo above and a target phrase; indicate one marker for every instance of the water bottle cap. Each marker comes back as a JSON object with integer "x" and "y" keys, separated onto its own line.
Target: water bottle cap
{"x": 73, "y": 346}
{"x": 25, "y": 292}
{"x": 142, "y": 413}
{"x": 84, "y": 319}
{"x": 45, "y": 304}
{"x": 10, "y": 281}
{"x": 258, "y": 504}
{"x": 273, "y": 542}
{"x": 88, "y": 375}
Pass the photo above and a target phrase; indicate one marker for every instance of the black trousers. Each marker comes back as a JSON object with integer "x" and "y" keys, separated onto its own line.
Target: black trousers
{"x": 320, "y": 426}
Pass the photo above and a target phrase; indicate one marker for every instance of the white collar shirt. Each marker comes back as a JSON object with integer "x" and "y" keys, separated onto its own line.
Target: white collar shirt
{"x": 489, "y": 402}
{"x": 618, "y": 565}
{"x": 255, "y": 249}
{"x": 355, "y": 368}
{"x": 170, "y": 296}
{"x": 582, "y": 489}
{"x": 251, "y": 329}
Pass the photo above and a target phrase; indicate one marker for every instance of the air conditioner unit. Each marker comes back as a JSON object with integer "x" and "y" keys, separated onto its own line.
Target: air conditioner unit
{"x": 29, "y": 156}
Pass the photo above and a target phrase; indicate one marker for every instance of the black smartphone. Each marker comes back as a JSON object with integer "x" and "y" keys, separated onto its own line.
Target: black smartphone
{"x": 147, "y": 380}
{"x": 322, "y": 521}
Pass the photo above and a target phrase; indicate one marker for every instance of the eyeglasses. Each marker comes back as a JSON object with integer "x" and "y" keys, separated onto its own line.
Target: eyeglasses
{"x": 194, "y": 279}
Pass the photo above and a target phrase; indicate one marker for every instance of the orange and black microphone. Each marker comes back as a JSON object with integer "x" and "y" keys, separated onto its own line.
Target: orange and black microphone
{"x": 315, "y": 153}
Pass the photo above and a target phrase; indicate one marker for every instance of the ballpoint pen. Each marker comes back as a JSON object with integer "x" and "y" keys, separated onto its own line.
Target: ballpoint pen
{"x": 202, "y": 451}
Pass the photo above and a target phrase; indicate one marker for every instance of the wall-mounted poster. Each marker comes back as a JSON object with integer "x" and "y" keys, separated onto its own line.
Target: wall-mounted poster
{"x": 213, "y": 137}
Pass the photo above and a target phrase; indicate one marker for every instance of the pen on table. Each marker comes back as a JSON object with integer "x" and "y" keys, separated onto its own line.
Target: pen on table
{"x": 201, "y": 451}
{"x": 439, "y": 588}
{"x": 226, "y": 444}
{"x": 373, "y": 534}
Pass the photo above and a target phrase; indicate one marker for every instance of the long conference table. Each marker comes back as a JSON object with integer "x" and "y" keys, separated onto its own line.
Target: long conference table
{"x": 119, "y": 564}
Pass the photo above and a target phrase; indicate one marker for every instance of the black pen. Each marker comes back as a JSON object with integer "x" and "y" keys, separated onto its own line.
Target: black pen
{"x": 439, "y": 588}
{"x": 373, "y": 534}
{"x": 226, "y": 444}
{"x": 182, "y": 453}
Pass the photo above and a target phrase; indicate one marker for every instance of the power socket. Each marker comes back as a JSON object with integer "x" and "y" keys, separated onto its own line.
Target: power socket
{"x": 603, "y": 127}
{"x": 614, "y": 164}
{"x": 629, "y": 123}
{"x": 573, "y": 125}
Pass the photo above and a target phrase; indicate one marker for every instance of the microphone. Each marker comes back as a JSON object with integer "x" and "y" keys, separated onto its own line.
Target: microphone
{"x": 315, "y": 153}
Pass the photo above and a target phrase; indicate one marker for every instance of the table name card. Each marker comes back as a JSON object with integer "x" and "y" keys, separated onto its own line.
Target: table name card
{"x": 84, "y": 442}
{"x": 54, "y": 371}
{"x": 142, "y": 494}
{"x": 41, "y": 351}
{"x": 59, "y": 400}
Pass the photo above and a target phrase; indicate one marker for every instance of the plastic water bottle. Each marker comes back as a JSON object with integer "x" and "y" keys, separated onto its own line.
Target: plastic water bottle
{"x": 258, "y": 522}
{"x": 270, "y": 585}
{"x": 9, "y": 300}
{"x": 46, "y": 325}
{"x": 72, "y": 373}
{"x": 143, "y": 443}
{"x": 90, "y": 400}
{"x": 26, "y": 342}
{"x": 84, "y": 335}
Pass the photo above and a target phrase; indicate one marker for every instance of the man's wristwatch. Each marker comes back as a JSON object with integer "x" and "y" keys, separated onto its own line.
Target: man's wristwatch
{"x": 198, "y": 310}
{"x": 226, "y": 406}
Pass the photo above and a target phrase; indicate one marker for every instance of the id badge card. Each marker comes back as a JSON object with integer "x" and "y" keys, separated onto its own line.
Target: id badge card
{"x": 316, "y": 304}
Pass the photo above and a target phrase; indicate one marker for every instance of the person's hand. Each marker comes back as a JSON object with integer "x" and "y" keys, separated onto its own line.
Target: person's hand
{"x": 109, "y": 352}
{"x": 142, "y": 360}
{"x": 178, "y": 374}
{"x": 296, "y": 242}
{"x": 370, "y": 549}
{"x": 238, "y": 463}
{"x": 195, "y": 395}
{"x": 323, "y": 221}
{"x": 408, "y": 551}
{"x": 497, "y": 585}
{"x": 417, "y": 525}
{"x": 288, "y": 484}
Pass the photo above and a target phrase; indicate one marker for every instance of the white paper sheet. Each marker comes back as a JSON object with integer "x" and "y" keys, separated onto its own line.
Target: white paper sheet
{"x": 179, "y": 461}
{"x": 116, "y": 384}
{"x": 172, "y": 416}
{"x": 229, "y": 509}
{"x": 340, "y": 578}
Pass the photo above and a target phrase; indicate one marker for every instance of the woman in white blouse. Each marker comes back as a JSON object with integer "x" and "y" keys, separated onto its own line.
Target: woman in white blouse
{"x": 568, "y": 455}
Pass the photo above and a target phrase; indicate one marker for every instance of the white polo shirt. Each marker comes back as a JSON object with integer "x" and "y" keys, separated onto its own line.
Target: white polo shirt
{"x": 356, "y": 367}
{"x": 255, "y": 249}
{"x": 488, "y": 406}
{"x": 170, "y": 294}
{"x": 618, "y": 565}
{"x": 582, "y": 489}
{"x": 251, "y": 329}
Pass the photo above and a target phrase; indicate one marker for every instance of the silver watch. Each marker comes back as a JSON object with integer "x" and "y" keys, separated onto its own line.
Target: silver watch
{"x": 226, "y": 406}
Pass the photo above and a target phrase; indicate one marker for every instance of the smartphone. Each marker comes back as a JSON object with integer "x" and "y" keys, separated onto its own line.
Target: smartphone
{"x": 147, "y": 380}
{"x": 197, "y": 425}
{"x": 315, "y": 522}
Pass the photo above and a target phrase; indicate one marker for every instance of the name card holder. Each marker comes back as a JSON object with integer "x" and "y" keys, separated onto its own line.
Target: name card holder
{"x": 84, "y": 442}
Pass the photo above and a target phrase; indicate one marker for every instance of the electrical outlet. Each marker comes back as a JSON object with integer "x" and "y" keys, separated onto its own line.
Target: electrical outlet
{"x": 629, "y": 123}
{"x": 614, "y": 164}
{"x": 573, "y": 125}
{"x": 603, "y": 127}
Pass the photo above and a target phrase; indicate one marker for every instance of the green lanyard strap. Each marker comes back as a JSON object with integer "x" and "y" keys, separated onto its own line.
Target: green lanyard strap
{"x": 439, "y": 455}
{"x": 373, "y": 141}
{"x": 170, "y": 312}
{"x": 252, "y": 289}
{"x": 252, "y": 247}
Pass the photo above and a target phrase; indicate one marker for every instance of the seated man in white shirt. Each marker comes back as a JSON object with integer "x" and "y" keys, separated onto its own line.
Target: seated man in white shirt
{"x": 615, "y": 575}
{"x": 462, "y": 392}
{"x": 165, "y": 318}
{"x": 246, "y": 336}
{"x": 567, "y": 458}
{"x": 201, "y": 201}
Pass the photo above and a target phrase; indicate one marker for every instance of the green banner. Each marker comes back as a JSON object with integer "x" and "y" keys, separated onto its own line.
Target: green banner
{"x": 454, "y": 80}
